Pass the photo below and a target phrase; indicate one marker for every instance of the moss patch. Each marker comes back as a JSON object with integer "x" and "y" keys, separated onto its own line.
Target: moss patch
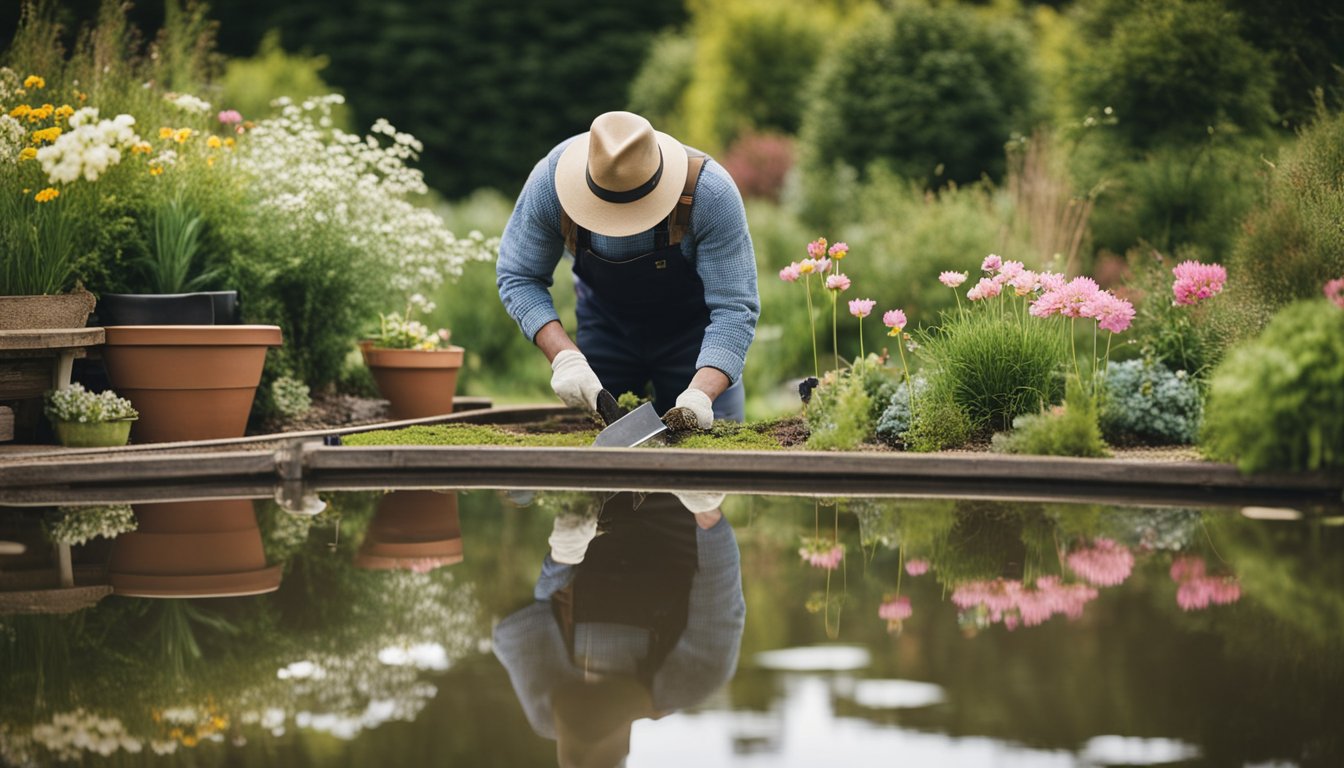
{"x": 469, "y": 434}
{"x": 731, "y": 436}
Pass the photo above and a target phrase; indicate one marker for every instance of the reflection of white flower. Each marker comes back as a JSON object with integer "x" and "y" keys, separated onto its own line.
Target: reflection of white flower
{"x": 71, "y": 734}
{"x": 78, "y": 525}
{"x": 301, "y": 670}
{"x": 421, "y": 656}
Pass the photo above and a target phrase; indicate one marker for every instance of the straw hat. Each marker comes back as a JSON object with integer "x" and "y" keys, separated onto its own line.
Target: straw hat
{"x": 622, "y": 177}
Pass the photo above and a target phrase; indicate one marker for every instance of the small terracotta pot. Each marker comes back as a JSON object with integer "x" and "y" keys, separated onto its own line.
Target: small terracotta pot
{"x": 189, "y": 382}
{"x": 192, "y": 549}
{"x": 417, "y": 383}
{"x": 100, "y": 434}
{"x": 412, "y": 530}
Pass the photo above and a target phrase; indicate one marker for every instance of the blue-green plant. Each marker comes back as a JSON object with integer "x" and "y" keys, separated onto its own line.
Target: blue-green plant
{"x": 1145, "y": 401}
{"x": 896, "y": 417}
{"x": 1277, "y": 402}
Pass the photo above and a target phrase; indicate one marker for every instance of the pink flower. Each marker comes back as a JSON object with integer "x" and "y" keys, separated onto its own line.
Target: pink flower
{"x": 991, "y": 263}
{"x": 1012, "y": 603}
{"x": 823, "y": 264}
{"x": 861, "y": 308}
{"x": 1185, "y": 568}
{"x": 1075, "y": 296}
{"x": 952, "y": 279}
{"x": 895, "y": 320}
{"x": 985, "y": 289}
{"x": 230, "y": 117}
{"x": 1052, "y": 281}
{"x": 1112, "y": 314}
{"x": 807, "y": 266}
{"x": 820, "y": 553}
{"x": 837, "y": 282}
{"x": 1009, "y": 272}
{"x": 817, "y": 248}
{"x": 838, "y": 251}
{"x": 1196, "y": 282}
{"x": 1024, "y": 282}
{"x": 1104, "y": 564}
{"x": 895, "y": 609}
{"x": 1334, "y": 291}
{"x": 790, "y": 273}
{"x": 1196, "y": 590}
{"x": 917, "y": 567}
{"x": 1047, "y": 304}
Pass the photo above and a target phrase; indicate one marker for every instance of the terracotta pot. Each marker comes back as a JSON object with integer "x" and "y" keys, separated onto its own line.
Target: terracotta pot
{"x": 416, "y": 382}
{"x": 412, "y": 530}
{"x": 192, "y": 549}
{"x": 100, "y": 434}
{"x": 62, "y": 310}
{"x": 189, "y": 382}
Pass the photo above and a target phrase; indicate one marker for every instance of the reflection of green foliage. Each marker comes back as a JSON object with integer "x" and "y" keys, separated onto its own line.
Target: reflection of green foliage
{"x": 468, "y": 434}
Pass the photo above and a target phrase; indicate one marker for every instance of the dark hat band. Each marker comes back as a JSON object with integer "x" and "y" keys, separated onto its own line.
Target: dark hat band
{"x": 629, "y": 195}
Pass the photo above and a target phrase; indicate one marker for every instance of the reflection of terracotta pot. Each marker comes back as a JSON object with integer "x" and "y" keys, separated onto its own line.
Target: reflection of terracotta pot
{"x": 189, "y": 382}
{"x": 416, "y": 382}
{"x": 413, "y": 530}
{"x": 192, "y": 549}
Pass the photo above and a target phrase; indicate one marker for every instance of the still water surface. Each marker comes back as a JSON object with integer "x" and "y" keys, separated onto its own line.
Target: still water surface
{"x": 432, "y": 628}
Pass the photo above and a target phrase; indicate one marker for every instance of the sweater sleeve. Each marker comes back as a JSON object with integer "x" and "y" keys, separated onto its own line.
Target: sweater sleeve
{"x": 530, "y": 249}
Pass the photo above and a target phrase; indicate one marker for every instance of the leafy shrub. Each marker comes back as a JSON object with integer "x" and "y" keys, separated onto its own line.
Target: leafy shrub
{"x": 758, "y": 163}
{"x": 939, "y": 424}
{"x": 249, "y": 85}
{"x": 1067, "y": 430}
{"x": 839, "y": 415}
{"x": 659, "y": 87}
{"x": 1145, "y": 401}
{"x": 1170, "y": 69}
{"x": 932, "y": 92}
{"x": 1295, "y": 243}
{"x": 1277, "y": 402}
{"x": 290, "y": 396}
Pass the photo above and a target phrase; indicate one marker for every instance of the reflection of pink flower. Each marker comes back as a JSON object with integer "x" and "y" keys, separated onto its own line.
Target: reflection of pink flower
{"x": 1011, "y": 603}
{"x": 1196, "y": 282}
{"x": 917, "y": 567}
{"x": 1197, "y": 590}
{"x": 991, "y": 263}
{"x": 895, "y": 609}
{"x": 861, "y": 308}
{"x": 1104, "y": 564}
{"x": 790, "y": 273}
{"x": 820, "y": 553}
{"x": 837, "y": 282}
{"x": 1334, "y": 291}
{"x": 952, "y": 279}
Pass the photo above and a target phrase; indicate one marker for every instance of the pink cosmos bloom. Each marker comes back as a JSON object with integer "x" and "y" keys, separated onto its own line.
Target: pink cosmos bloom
{"x": 1008, "y": 272}
{"x": 1112, "y": 313}
{"x": 1104, "y": 564}
{"x": 1076, "y": 295}
{"x": 895, "y": 320}
{"x": 817, "y": 248}
{"x": 861, "y": 308}
{"x": 1047, "y": 304}
{"x": 917, "y": 567}
{"x": 837, "y": 282}
{"x": 1024, "y": 282}
{"x": 991, "y": 263}
{"x": 790, "y": 273}
{"x": 1052, "y": 281}
{"x": 895, "y": 609}
{"x": 838, "y": 251}
{"x": 230, "y": 117}
{"x": 1334, "y": 291}
{"x": 952, "y": 279}
{"x": 1196, "y": 282}
{"x": 985, "y": 289}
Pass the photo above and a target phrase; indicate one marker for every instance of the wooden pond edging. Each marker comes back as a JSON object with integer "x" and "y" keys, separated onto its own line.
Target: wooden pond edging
{"x": 290, "y": 466}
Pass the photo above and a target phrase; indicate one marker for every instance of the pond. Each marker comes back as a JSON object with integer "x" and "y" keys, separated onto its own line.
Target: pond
{"x": 428, "y": 626}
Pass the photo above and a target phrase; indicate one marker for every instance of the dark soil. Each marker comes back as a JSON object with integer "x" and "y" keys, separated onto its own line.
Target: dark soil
{"x": 330, "y": 411}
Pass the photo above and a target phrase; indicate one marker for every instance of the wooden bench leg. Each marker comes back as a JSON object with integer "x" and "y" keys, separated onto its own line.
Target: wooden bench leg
{"x": 60, "y": 374}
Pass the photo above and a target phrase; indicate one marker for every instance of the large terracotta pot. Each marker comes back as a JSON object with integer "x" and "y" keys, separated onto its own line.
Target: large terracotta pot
{"x": 189, "y": 382}
{"x": 412, "y": 530}
{"x": 192, "y": 549}
{"x": 416, "y": 383}
{"x": 62, "y": 310}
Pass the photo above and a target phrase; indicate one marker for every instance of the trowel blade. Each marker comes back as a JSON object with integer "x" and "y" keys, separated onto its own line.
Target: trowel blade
{"x": 632, "y": 429}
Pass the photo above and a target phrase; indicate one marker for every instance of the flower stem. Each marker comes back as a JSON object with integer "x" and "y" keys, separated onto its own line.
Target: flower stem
{"x": 835, "y": 339}
{"x": 862, "y": 356}
{"x": 910, "y": 388}
{"x": 812, "y": 322}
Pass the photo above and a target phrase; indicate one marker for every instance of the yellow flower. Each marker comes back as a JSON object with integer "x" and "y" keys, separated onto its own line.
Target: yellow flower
{"x": 83, "y": 97}
{"x": 34, "y": 81}
{"x": 143, "y": 148}
{"x": 210, "y": 161}
{"x": 213, "y": 142}
{"x": 47, "y": 195}
{"x": 165, "y": 133}
{"x": 189, "y": 741}
{"x": 38, "y": 114}
{"x": 47, "y": 135}
{"x": 181, "y": 135}
{"x": 20, "y": 111}
{"x": 156, "y": 170}
{"x": 64, "y": 111}
{"x": 229, "y": 142}
{"x": 28, "y": 153}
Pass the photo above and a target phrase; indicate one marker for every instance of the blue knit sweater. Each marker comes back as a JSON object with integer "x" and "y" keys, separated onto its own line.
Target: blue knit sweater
{"x": 717, "y": 243}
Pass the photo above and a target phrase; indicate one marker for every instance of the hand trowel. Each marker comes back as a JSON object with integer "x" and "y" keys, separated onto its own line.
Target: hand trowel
{"x": 630, "y": 429}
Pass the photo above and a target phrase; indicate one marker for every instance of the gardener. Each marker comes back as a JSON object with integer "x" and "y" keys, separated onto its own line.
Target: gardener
{"x": 665, "y": 274}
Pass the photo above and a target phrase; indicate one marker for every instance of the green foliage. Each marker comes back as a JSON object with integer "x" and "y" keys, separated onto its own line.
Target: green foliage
{"x": 249, "y": 85}
{"x": 839, "y": 415}
{"x": 1067, "y": 430}
{"x": 659, "y": 88}
{"x": 939, "y": 424}
{"x": 39, "y": 240}
{"x": 176, "y": 239}
{"x": 1303, "y": 39}
{"x": 994, "y": 362}
{"x": 1145, "y": 401}
{"x": 1277, "y": 402}
{"x": 730, "y": 436}
{"x": 469, "y": 434}
{"x": 290, "y": 396}
{"x": 1172, "y": 70}
{"x": 1289, "y": 248}
{"x": 932, "y": 92}
{"x": 630, "y": 401}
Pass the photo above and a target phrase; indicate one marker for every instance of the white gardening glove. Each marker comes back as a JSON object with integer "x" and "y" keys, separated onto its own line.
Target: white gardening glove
{"x": 570, "y": 535}
{"x": 574, "y": 381}
{"x": 699, "y": 502}
{"x": 694, "y": 410}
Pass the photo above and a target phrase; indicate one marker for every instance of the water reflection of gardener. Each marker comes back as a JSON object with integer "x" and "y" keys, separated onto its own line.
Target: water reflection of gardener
{"x": 637, "y": 614}
{"x": 664, "y": 267}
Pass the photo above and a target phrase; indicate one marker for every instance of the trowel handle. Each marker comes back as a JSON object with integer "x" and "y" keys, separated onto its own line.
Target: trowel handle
{"x": 607, "y": 408}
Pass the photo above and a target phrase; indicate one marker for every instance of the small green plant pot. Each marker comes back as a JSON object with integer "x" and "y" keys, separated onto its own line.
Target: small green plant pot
{"x": 102, "y": 434}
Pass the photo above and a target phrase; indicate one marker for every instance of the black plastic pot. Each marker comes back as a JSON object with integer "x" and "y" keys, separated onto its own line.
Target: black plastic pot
{"x": 202, "y": 308}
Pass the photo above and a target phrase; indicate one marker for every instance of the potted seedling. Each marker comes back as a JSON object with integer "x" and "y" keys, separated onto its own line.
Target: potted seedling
{"x": 83, "y": 419}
